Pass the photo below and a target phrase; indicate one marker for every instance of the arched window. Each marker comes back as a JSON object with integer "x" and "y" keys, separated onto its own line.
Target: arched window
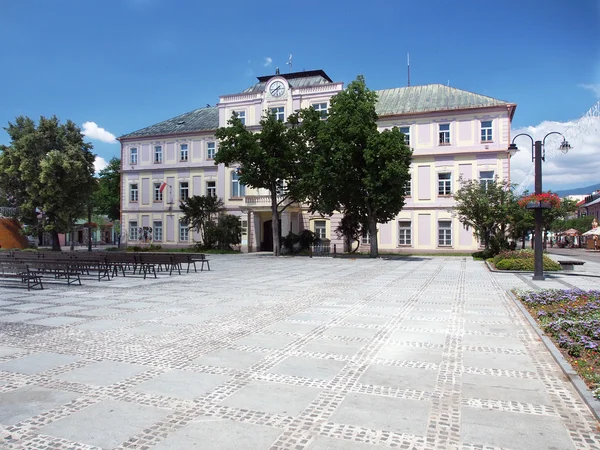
{"x": 237, "y": 188}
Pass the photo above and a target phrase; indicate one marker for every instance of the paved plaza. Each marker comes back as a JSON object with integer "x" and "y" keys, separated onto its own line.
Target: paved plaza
{"x": 289, "y": 353}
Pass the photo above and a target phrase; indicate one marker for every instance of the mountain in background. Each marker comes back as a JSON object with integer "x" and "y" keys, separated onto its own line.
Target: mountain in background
{"x": 579, "y": 191}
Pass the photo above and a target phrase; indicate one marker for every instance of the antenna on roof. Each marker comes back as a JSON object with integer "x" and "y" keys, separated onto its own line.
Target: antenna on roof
{"x": 408, "y": 65}
{"x": 289, "y": 62}
{"x": 276, "y": 70}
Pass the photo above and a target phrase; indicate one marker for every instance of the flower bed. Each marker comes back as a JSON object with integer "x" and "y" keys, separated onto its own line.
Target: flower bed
{"x": 550, "y": 198}
{"x": 572, "y": 319}
{"x": 521, "y": 260}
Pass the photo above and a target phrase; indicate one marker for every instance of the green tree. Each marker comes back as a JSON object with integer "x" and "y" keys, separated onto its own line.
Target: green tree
{"x": 200, "y": 212}
{"x": 227, "y": 231}
{"x": 356, "y": 169}
{"x": 268, "y": 159}
{"x": 107, "y": 198}
{"x": 485, "y": 207}
{"x": 48, "y": 167}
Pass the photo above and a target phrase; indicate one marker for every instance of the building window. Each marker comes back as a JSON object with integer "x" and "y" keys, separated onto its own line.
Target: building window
{"x": 244, "y": 228}
{"x": 133, "y": 231}
{"x": 444, "y": 134}
{"x": 444, "y": 233}
{"x": 158, "y": 154}
{"x": 486, "y": 178}
{"x": 184, "y": 233}
{"x": 366, "y": 239}
{"x": 321, "y": 108}
{"x": 408, "y": 187}
{"x": 133, "y": 193}
{"x": 184, "y": 191}
{"x": 242, "y": 116}
{"x": 279, "y": 113}
{"x": 157, "y": 233}
{"x": 445, "y": 183}
{"x": 211, "y": 188}
{"x": 183, "y": 153}
{"x": 406, "y": 132}
{"x": 210, "y": 150}
{"x": 404, "y": 233}
{"x": 133, "y": 156}
{"x": 158, "y": 195}
{"x": 237, "y": 188}
{"x": 321, "y": 229}
{"x": 486, "y": 131}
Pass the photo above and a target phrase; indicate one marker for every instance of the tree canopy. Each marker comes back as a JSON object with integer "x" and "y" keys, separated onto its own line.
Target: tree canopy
{"x": 107, "y": 197}
{"x": 48, "y": 171}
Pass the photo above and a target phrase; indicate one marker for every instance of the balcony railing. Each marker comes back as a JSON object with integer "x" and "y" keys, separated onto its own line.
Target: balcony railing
{"x": 261, "y": 200}
{"x": 6, "y": 211}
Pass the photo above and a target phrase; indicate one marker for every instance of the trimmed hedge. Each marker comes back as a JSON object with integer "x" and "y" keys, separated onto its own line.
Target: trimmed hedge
{"x": 522, "y": 260}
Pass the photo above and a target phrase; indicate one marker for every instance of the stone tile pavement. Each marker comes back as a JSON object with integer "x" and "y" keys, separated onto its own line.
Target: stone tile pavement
{"x": 289, "y": 353}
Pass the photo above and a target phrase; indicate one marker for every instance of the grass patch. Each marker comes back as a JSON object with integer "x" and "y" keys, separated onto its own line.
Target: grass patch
{"x": 571, "y": 318}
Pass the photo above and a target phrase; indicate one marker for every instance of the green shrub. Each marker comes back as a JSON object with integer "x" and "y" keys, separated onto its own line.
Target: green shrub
{"x": 112, "y": 249}
{"x": 484, "y": 254}
{"x": 524, "y": 264}
{"x": 30, "y": 250}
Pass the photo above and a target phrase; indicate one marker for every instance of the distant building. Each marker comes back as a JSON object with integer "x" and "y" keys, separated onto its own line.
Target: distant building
{"x": 454, "y": 133}
{"x": 590, "y": 206}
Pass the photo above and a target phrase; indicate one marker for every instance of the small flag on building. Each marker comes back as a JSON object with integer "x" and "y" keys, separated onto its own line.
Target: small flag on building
{"x": 163, "y": 186}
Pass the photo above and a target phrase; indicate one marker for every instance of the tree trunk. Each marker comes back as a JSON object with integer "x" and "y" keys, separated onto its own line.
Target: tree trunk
{"x": 55, "y": 241}
{"x": 373, "y": 234}
{"x": 72, "y": 247}
{"x": 275, "y": 223}
{"x": 524, "y": 236}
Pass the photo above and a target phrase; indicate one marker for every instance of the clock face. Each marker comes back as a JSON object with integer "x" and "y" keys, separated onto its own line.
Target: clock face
{"x": 277, "y": 89}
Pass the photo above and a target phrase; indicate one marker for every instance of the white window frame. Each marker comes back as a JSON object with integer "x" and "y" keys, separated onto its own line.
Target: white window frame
{"x": 278, "y": 112}
{"x": 444, "y": 134}
{"x": 211, "y": 150}
{"x": 133, "y": 230}
{"x": 321, "y": 229}
{"x": 408, "y": 187}
{"x": 487, "y": 134}
{"x": 322, "y": 109}
{"x": 366, "y": 239}
{"x": 134, "y": 193}
{"x": 487, "y": 180}
{"x": 445, "y": 240}
{"x": 212, "y": 189}
{"x": 242, "y": 116}
{"x": 244, "y": 226}
{"x": 184, "y": 189}
{"x": 184, "y": 152}
{"x": 406, "y": 132}
{"x": 158, "y": 154}
{"x": 157, "y": 231}
{"x": 404, "y": 233}
{"x": 237, "y": 188}
{"x": 158, "y": 196}
{"x": 133, "y": 156}
{"x": 444, "y": 184}
{"x": 184, "y": 233}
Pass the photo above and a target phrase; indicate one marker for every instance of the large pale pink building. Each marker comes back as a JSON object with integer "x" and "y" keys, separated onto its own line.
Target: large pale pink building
{"x": 454, "y": 133}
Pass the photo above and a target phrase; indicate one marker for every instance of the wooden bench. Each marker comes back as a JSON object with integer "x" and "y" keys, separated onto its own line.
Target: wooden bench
{"x": 202, "y": 259}
{"x": 58, "y": 270}
{"x": 570, "y": 265}
{"x": 18, "y": 271}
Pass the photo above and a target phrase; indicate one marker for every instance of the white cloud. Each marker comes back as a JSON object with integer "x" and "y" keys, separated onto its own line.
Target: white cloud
{"x": 268, "y": 61}
{"x": 578, "y": 168}
{"x": 99, "y": 163}
{"x": 93, "y": 131}
{"x": 595, "y": 88}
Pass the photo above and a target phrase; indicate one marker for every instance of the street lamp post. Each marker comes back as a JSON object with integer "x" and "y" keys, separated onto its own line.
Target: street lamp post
{"x": 538, "y": 154}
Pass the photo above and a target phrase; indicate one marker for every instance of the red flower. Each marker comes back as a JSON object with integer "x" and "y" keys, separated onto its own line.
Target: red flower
{"x": 546, "y": 197}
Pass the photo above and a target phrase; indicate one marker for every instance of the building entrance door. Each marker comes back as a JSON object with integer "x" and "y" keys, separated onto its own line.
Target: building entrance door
{"x": 267, "y": 242}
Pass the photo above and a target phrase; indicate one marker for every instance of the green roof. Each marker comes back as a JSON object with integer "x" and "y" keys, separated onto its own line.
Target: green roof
{"x": 202, "y": 119}
{"x": 428, "y": 98}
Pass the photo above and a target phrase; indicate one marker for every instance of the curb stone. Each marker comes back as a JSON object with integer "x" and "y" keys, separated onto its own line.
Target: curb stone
{"x": 574, "y": 378}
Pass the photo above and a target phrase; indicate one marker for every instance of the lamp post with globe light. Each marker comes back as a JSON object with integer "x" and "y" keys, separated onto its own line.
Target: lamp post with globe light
{"x": 538, "y": 154}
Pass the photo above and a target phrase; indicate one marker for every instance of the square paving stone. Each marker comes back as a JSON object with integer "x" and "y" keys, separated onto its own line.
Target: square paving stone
{"x": 134, "y": 305}
{"x": 435, "y": 325}
{"x": 143, "y": 315}
{"x": 37, "y": 363}
{"x": 288, "y": 327}
{"x": 101, "y": 312}
{"x": 500, "y": 361}
{"x": 57, "y": 321}
{"x": 103, "y": 373}
{"x": 220, "y": 434}
{"x": 20, "y": 317}
{"x": 400, "y": 377}
{"x": 366, "y": 320}
{"x": 487, "y": 328}
{"x": 513, "y": 430}
{"x": 310, "y": 317}
{"x": 185, "y": 319}
{"x": 6, "y": 351}
{"x": 29, "y": 401}
{"x": 266, "y": 341}
{"x": 101, "y": 325}
{"x": 63, "y": 309}
{"x": 323, "y": 443}
{"x": 105, "y": 424}
{"x": 100, "y": 302}
{"x": 181, "y": 384}
{"x": 351, "y": 332}
{"x": 406, "y": 353}
{"x": 234, "y": 359}
{"x": 274, "y": 398}
{"x": 26, "y": 306}
{"x": 507, "y": 342}
{"x": 313, "y": 368}
{"x": 150, "y": 330}
{"x": 504, "y": 388}
{"x": 383, "y": 413}
{"x": 436, "y": 337}
{"x": 333, "y": 347}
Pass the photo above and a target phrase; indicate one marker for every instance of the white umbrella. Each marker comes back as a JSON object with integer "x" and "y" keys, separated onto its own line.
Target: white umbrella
{"x": 593, "y": 231}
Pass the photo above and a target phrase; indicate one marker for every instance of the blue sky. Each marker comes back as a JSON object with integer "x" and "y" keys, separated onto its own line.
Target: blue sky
{"x": 126, "y": 64}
